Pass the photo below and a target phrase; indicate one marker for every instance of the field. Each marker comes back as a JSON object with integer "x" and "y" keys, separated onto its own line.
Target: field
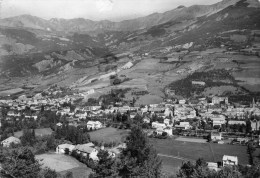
{"x": 192, "y": 151}
{"x": 196, "y": 140}
{"x": 108, "y": 135}
{"x": 62, "y": 164}
{"x": 170, "y": 166}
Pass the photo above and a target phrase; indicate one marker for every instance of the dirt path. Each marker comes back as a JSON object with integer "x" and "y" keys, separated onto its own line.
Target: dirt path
{"x": 211, "y": 150}
{"x": 176, "y": 157}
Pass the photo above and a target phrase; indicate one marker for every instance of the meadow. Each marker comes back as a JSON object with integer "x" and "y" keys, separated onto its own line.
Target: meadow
{"x": 108, "y": 135}
{"x": 63, "y": 163}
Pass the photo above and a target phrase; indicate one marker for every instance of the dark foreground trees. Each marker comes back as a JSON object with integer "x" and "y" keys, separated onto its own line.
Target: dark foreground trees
{"x": 23, "y": 164}
{"x": 138, "y": 159}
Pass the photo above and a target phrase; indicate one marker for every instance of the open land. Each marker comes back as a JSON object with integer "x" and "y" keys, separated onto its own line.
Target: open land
{"x": 108, "y": 135}
{"x": 63, "y": 163}
{"x": 209, "y": 151}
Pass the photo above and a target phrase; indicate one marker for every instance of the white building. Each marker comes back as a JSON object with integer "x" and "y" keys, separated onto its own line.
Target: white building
{"x": 230, "y": 160}
{"x": 218, "y": 120}
{"x": 94, "y": 124}
{"x": 87, "y": 150}
{"x": 10, "y": 140}
{"x": 127, "y": 65}
{"x": 60, "y": 149}
{"x": 158, "y": 125}
{"x": 216, "y": 136}
{"x": 183, "y": 125}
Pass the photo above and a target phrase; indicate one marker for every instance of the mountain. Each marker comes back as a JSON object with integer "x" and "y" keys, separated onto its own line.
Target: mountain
{"x": 82, "y": 53}
{"x": 85, "y": 25}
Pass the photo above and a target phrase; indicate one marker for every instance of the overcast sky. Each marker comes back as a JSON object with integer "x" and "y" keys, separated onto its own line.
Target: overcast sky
{"x": 115, "y": 10}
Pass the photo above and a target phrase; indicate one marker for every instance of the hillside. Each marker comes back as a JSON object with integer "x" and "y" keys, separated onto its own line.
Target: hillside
{"x": 83, "y": 25}
{"x": 169, "y": 47}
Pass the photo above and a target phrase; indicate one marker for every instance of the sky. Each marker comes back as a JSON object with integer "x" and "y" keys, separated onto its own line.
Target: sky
{"x": 115, "y": 10}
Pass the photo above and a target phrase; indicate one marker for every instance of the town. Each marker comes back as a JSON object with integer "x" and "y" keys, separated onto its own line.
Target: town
{"x": 62, "y": 111}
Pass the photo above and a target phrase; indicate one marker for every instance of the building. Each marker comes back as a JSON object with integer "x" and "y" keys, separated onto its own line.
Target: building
{"x": 218, "y": 120}
{"x": 158, "y": 125}
{"x": 94, "y": 125}
{"x": 255, "y": 125}
{"x": 198, "y": 83}
{"x": 230, "y": 160}
{"x": 213, "y": 166}
{"x": 60, "y": 149}
{"x": 217, "y": 100}
{"x": 183, "y": 126}
{"x": 87, "y": 150}
{"x": 10, "y": 140}
{"x": 146, "y": 120}
{"x": 233, "y": 122}
{"x": 127, "y": 65}
{"x": 216, "y": 136}
{"x": 182, "y": 101}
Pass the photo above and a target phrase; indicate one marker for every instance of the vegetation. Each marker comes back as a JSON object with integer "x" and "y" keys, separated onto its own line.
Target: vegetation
{"x": 22, "y": 163}
{"x": 211, "y": 78}
{"x": 138, "y": 159}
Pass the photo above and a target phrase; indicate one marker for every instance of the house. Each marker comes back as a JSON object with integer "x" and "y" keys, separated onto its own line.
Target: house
{"x": 87, "y": 150}
{"x": 230, "y": 160}
{"x": 216, "y": 136}
{"x": 255, "y": 125}
{"x": 167, "y": 121}
{"x": 182, "y": 101}
{"x": 94, "y": 125}
{"x": 213, "y": 166}
{"x": 60, "y": 149}
{"x": 217, "y": 100}
{"x": 157, "y": 125}
{"x": 10, "y": 140}
{"x": 167, "y": 130}
{"x": 146, "y": 120}
{"x": 231, "y": 122}
{"x": 168, "y": 112}
{"x": 218, "y": 120}
{"x": 183, "y": 125}
{"x": 198, "y": 83}
{"x": 127, "y": 65}
{"x": 59, "y": 124}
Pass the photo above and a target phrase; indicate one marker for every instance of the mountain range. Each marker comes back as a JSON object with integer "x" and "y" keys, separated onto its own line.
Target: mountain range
{"x": 84, "y": 25}
{"x": 80, "y": 52}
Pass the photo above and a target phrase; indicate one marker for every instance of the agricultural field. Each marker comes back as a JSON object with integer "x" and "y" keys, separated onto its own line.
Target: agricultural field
{"x": 63, "y": 163}
{"x": 108, "y": 135}
{"x": 209, "y": 151}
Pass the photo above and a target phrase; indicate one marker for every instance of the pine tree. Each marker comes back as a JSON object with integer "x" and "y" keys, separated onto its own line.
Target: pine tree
{"x": 139, "y": 158}
{"x": 105, "y": 166}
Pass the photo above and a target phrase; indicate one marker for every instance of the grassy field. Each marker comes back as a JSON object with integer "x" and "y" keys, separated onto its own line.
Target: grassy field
{"x": 193, "y": 151}
{"x": 170, "y": 166}
{"x": 63, "y": 163}
{"x": 108, "y": 135}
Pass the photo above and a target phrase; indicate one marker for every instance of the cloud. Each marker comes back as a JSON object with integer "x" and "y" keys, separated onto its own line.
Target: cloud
{"x": 104, "y": 5}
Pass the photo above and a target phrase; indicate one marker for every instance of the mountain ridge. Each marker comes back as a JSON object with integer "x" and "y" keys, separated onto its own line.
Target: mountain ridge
{"x": 86, "y": 25}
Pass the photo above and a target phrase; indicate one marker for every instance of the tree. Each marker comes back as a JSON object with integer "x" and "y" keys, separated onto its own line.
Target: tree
{"x": 68, "y": 174}
{"x": 28, "y": 137}
{"x": 47, "y": 173}
{"x": 105, "y": 167}
{"x": 67, "y": 151}
{"x": 248, "y": 126}
{"x": 139, "y": 158}
{"x": 21, "y": 163}
{"x": 250, "y": 151}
